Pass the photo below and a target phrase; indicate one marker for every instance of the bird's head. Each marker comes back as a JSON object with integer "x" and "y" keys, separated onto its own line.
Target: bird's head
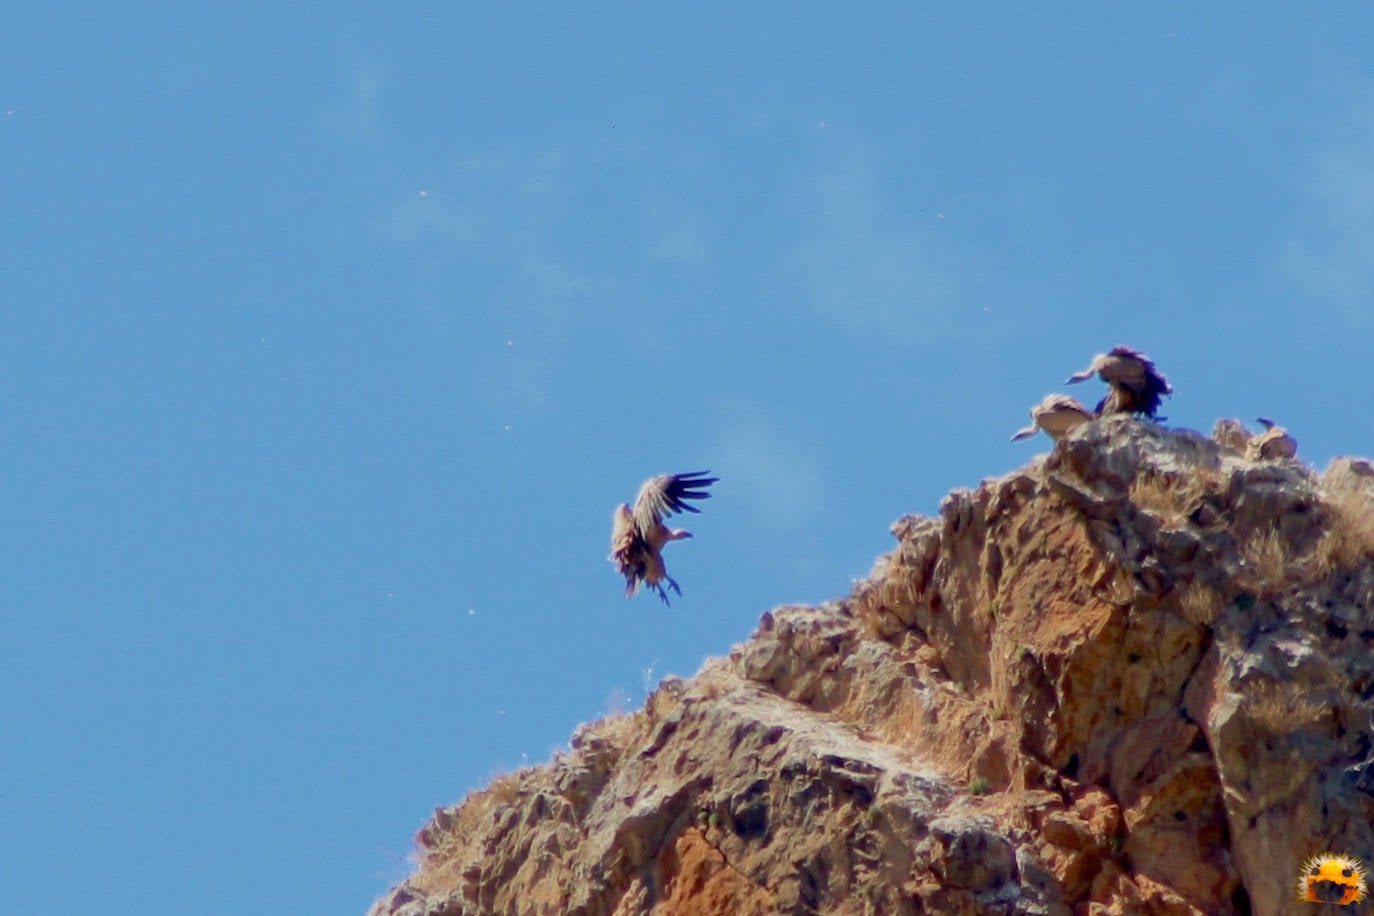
{"x": 1096, "y": 366}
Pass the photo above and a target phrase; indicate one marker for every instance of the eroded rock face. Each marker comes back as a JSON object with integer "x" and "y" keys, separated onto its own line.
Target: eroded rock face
{"x": 1129, "y": 678}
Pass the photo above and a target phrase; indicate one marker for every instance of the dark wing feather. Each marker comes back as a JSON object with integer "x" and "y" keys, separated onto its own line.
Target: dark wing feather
{"x": 1149, "y": 377}
{"x": 1141, "y": 383}
{"x": 665, "y": 494}
{"x": 1147, "y": 401}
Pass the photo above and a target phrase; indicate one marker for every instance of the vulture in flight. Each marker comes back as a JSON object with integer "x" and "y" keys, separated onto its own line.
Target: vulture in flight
{"x": 1135, "y": 384}
{"x": 1057, "y": 415}
{"x": 1274, "y": 442}
{"x": 638, "y": 534}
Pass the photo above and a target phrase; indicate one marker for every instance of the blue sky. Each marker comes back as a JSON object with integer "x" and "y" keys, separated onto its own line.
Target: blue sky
{"x": 334, "y": 333}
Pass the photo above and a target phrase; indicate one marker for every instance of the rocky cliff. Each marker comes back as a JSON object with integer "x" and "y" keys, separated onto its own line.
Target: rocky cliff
{"x": 1132, "y": 677}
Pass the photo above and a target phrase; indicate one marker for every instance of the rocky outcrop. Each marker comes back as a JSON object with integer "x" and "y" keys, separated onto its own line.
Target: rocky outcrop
{"x": 1132, "y": 677}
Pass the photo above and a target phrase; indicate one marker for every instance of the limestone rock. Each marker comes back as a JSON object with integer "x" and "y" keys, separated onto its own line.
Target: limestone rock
{"x": 1132, "y": 677}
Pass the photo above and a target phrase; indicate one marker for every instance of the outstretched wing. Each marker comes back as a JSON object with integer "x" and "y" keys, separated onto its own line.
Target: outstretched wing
{"x": 1137, "y": 384}
{"x": 665, "y": 494}
{"x": 1139, "y": 372}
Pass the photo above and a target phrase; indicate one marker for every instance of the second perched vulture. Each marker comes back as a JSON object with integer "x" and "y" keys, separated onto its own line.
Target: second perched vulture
{"x": 1136, "y": 385}
{"x": 1057, "y": 415}
{"x": 1274, "y": 442}
{"x": 638, "y": 534}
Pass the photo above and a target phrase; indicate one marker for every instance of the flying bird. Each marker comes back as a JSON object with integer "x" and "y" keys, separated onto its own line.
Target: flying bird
{"x": 1134, "y": 382}
{"x": 1057, "y": 415}
{"x": 1274, "y": 442}
{"x": 638, "y": 534}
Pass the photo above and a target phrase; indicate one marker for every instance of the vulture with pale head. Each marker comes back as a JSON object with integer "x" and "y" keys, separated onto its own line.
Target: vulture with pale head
{"x": 1134, "y": 382}
{"x": 638, "y": 534}
{"x": 1057, "y": 415}
{"x": 1274, "y": 442}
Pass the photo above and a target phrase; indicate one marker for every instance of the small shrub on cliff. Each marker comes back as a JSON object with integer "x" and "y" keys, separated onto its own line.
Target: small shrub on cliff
{"x": 1200, "y": 604}
{"x": 1173, "y": 499}
{"x": 505, "y": 789}
{"x": 1351, "y": 539}
{"x": 1266, "y": 563}
{"x": 1282, "y": 708}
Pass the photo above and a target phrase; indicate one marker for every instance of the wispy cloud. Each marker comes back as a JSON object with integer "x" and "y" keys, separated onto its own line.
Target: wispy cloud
{"x": 878, "y": 275}
{"x": 1328, "y": 256}
{"x": 516, "y": 380}
{"x": 357, "y": 113}
{"x": 484, "y": 231}
{"x": 677, "y": 237}
{"x": 537, "y": 304}
{"x": 425, "y": 214}
{"x": 491, "y": 226}
{"x": 461, "y": 205}
{"x": 778, "y": 478}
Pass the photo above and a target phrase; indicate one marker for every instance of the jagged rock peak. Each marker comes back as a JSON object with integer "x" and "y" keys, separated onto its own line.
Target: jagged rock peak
{"x": 1131, "y": 677}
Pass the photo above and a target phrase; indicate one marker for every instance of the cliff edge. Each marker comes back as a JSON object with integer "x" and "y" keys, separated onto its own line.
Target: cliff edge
{"x": 1132, "y": 677}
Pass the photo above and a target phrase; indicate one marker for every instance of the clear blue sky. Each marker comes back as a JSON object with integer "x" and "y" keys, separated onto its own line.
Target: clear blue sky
{"x": 333, "y": 333}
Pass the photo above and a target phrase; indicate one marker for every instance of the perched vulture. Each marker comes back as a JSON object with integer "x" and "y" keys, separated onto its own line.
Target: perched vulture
{"x": 638, "y": 534}
{"x": 1135, "y": 384}
{"x": 1057, "y": 415}
{"x": 1274, "y": 442}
